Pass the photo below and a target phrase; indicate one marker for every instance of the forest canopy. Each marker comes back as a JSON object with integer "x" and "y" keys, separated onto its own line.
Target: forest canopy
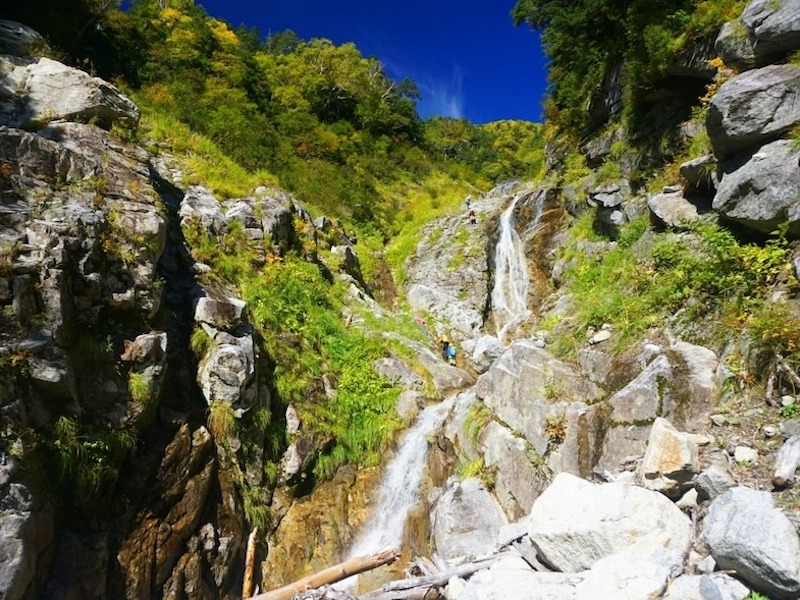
{"x": 585, "y": 40}
{"x": 329, "y": 123}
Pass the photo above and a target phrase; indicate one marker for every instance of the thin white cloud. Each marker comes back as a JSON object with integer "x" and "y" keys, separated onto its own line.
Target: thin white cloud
{"x": 443, "y": 96}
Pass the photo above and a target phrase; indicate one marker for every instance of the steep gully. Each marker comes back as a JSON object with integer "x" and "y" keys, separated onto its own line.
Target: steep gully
{"x": 399, "y": 491}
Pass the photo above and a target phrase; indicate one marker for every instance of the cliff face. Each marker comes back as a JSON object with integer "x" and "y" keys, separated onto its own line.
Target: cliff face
{"x": 101, "y": 399}
{"x": 143, "y": 435}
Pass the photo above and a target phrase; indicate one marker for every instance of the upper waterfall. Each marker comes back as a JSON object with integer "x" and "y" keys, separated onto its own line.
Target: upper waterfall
{"x": 510, "y": 291}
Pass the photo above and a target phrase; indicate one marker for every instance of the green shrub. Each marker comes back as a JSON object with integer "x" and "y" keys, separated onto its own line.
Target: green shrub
{"x": 222, "y": 422}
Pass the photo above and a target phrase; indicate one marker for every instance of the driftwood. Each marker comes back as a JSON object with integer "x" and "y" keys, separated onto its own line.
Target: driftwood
{"x": 786, "y": 462}
{"x": 249, "y": 564}
{"x": 343, "y": 570}
{"x": 424, "y": 588}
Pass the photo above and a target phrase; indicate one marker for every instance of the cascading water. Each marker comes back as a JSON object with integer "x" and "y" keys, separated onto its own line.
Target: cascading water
{"x": 510, "y": 292}
{"x": 399, "y": 489}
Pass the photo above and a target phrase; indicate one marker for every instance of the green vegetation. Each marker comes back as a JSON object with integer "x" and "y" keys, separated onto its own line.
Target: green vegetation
{"x": 318, "y": 119}
{"x": 587, "y": 39}
{"x": 87, "y": 458}
{"x": 704, "y": 270}
{"x": 298, "y": 314}
{"x": 221, "y": 420}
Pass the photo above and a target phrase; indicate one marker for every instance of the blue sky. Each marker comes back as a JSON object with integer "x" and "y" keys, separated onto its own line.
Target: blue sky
{"x": 466, "y": 56}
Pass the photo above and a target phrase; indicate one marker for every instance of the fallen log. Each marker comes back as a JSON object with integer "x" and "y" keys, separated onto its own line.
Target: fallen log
{"x": 786, "y": 462}
{"x": 343, "y": 570}
{"x": 416, "y": 588}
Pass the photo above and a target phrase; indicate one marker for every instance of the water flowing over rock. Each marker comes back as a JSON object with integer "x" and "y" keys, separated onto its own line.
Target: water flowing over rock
{"x": 767, "y": 555}
{"x": 510, "y": 291}
{"x": 400, "y": 488}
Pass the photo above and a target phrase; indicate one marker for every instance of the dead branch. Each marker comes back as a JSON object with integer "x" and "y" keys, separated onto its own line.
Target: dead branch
{"x": 409, "y": 589}
{"x": 249, "y": 564}
{"x": 343, "y": 570}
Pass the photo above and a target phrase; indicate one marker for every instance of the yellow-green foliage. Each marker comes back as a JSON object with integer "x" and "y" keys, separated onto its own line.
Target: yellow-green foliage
{"x": 704, "y": 272}
{"x": 205, "y": 163}
{"x": 139, "y": 387}
{"x": 298, "y": 314}
{"x": 221, "y": 419}
{"x": 419, "y": 204}
{"x": 478, "y": 417}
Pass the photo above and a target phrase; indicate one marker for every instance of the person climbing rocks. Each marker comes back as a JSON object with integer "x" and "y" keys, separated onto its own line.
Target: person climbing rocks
{"x": 445, "y": 343}
{"x": 472, "y": 220}
{"x": 468, "y": 201}
{"x": 451, "y": 354}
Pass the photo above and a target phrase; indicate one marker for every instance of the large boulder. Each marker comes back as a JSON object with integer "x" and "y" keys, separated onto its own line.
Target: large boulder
{"x": 574, "y": 524}
{"x": 775, "y": 27}
{"x": 671, "y": 460}
{"x": 766, "y": 555}
{"x": 226, "y": 373}
{"x": 671, "y": 208}
{"x": 466, "y": 520}
{"x": 18, "y": 39}
{"x": 717, "y": 586}
{"x": 764, "y": 191}
{"x": 754, "y": 108}
{"x": 528, "y": 388}
{"x": 487, "y": 349}
{"x": 52, "y": 91}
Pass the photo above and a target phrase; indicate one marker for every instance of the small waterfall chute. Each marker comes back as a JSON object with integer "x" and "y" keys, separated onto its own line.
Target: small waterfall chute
{"x": 511, "y": 281}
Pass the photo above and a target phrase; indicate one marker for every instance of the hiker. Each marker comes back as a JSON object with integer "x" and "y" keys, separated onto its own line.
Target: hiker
{"x": 451, "y": 354}
{"x": 468, "y": 201}
{"x": 472, "y": 220}
{"x": 445, "y": 343}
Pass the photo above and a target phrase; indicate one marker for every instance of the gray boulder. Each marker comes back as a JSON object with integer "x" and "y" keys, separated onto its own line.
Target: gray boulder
{"x": 52, "y": 91}
{"x": 764, "y": 191}
{"x": 26, "y": 534}
{"x": 775, "y": 27}
{"x": 18, "y": 39}
{"x": 487, "y": 349}
{"x": 701, "y": 173}
{"x": 200, "y": 203}
{"x": 767, "y": 555}
{"x": 466, "y": 520}
{"x": 219, "y": 311}
{"x": 714, "y": 481}
{"x": 671, "y": 208}
{"x": 671, "y": 460}
{"x": 527, "y": 387}
{"x": 716, "y": 586}
{"x": 754, "y": 108}
{"x": 396, "y": 371}
{"x": 735, "y": 45}
{"x": 574, "y": 523}
{"x": 226, "y": 373}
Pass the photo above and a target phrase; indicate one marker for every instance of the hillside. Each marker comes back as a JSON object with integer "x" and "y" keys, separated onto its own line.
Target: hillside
{"x": 220, "y": 317}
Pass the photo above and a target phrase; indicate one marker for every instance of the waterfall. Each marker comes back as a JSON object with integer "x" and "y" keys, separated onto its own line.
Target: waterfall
{"x": 510, "y": 292}
{"x": 399, "y": 489}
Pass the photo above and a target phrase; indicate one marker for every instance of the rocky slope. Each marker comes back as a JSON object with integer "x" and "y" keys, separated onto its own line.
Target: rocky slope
{"x": 632, "y": 471}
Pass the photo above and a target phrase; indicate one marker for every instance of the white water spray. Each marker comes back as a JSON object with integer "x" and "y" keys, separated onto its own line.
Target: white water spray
{"x": 510, "y": 292}
{"x": 399, "y": 490}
